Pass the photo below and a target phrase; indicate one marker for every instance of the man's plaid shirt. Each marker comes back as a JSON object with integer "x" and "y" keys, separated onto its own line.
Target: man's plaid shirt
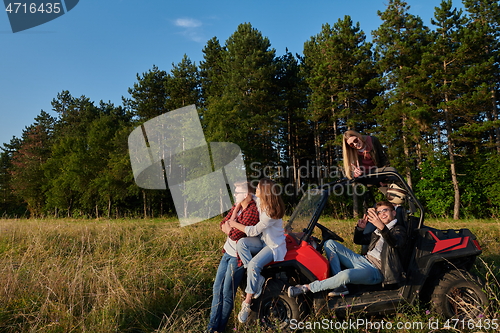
{"x": 248, "y": 216}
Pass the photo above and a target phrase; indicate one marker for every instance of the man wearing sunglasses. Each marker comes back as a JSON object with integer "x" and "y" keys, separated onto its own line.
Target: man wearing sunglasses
{"x": 229, "y": 273}
{"x": 380, "y": 265}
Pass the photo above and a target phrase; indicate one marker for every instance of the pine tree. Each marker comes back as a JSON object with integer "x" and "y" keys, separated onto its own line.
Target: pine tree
{"x": 182, "y": 86}
{"x": 454, "y": 75}
{"x": 211, "y": 71}
{"x": 10, "y": 203}
{"x": 484, "y": 28}
{"x": 402, "y": 109}
{"x": 70, "y": 170}
{"x": 27, "y": 175}
{"x": 340, "y": 68}
{"x": 149, "y": 95}
{"x": 246, "y": 109}
{"x": 296, "y": 136}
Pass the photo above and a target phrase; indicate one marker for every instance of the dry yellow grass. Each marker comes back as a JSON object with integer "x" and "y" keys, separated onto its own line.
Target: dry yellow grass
{"x": 127, "y": 275}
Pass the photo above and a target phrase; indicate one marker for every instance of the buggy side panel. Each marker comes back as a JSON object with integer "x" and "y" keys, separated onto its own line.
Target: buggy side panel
{"x": 306, "y": 259}
{"x": 436, "y": 250}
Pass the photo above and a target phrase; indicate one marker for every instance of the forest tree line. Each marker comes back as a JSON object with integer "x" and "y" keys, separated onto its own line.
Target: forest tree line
{"x": 429, "y": 93}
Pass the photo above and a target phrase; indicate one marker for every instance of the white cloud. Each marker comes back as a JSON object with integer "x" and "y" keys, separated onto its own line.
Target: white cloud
{"x": 187, "y": 23}
{"x": 190, "y": 28}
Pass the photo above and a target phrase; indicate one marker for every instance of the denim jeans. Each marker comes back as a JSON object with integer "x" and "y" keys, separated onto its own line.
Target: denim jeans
{"x": 254, "y": 254}
{"x": 226, "y": 283}
{"x": 359, "y": 269}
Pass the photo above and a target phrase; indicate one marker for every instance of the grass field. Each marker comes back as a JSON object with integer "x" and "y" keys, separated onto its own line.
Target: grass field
{"x": 143, "y": 275}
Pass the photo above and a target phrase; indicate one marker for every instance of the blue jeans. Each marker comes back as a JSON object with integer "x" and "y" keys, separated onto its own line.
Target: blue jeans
{"x": 226, "y": 283}
{"x": 359, "y": 269}
{"x": 254, "y": 254}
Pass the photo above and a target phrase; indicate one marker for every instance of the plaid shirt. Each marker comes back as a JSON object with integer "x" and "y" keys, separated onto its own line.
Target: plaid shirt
{"x": 248, "y": 216}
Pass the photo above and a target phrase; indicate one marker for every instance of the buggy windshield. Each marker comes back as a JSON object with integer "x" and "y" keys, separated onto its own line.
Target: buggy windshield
{"x": 305, "y": 210}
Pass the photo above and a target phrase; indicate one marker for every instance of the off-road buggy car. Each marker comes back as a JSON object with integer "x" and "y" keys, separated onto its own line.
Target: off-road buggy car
{"x": 436, "y": 263}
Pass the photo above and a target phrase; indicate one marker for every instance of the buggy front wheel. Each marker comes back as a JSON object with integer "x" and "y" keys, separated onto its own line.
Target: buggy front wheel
{"x": 275, "y": 309}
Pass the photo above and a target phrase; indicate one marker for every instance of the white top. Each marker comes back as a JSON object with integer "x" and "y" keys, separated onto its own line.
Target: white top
{"x": 230, "y": 245}
{"x": 272, "y": 232}
{"x": 377, "y": 250}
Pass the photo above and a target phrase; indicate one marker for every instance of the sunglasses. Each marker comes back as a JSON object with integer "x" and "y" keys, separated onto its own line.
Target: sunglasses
{"x": 385, "y": 210}
{"x": 354, "y": 143}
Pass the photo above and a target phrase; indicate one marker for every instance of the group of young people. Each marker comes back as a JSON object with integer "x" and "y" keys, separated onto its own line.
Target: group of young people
{"x": 255, "y": 237}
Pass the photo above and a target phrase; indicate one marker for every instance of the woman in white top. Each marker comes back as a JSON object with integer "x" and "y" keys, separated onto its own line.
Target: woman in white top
{"x": 265, "y": 241}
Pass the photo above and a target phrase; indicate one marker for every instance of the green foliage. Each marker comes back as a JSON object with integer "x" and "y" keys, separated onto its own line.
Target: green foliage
{"x": 246, "y": 96}
{"x": 27, "y": 176}
{"x": 429, "y": 93}
{"x": 402, "y": 109}
{"x": 487, "y": 176}
{"x": 434, "y": 189}
{"x": 182, "y": 85}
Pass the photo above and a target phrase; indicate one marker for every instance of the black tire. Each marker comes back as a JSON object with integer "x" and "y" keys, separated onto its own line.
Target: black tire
{"x": 459, "y": 294}
{"x": 275, "y": 309}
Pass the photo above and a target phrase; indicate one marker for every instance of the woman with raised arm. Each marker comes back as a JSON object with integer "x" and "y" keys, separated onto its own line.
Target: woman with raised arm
{"x": 362, "y": 154}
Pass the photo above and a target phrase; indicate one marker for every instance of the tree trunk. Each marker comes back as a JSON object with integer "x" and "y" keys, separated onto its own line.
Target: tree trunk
{"x": 317, "y": 147}
{"x": 109, "y": 208}
{"x": 145, "y": 204}
{"x": 407, "y": 154}
{"x": 454, "y": 179}
{"x": 296, "y": 165}
{"x": 355, "y": 203}
{"x": 494, "y": 113}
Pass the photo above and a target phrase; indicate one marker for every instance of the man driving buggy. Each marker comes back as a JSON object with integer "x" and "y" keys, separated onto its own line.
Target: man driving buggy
{"x": 381, "y": 264}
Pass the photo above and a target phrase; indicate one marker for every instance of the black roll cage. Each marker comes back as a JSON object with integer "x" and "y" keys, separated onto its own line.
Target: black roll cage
{"x": 369, "y": 179}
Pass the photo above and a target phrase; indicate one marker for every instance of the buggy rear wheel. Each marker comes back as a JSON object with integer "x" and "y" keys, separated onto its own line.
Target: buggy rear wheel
{"x": 459, "y": 295}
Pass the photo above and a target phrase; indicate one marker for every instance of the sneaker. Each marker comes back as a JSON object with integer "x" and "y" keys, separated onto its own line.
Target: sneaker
{"x": 297, "y": 290}
{"x": 339, "y": 291}
{"x": 260, "y": 285}
{"x": 244, "y": 312}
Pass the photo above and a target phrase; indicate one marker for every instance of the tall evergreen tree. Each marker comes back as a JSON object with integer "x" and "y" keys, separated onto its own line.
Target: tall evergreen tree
{"x": 211, "y": 71}
{"x": 295, "y": 138}
{"x": 69, "y": 170}
{"x": 27, "y": 175}
{"x": 484, "y": 29}
{"x": 10, "y": 203}
{"x": 182, "y": 86}
{"x": 248, "y": 100}
{"x": 403, "y": 112}
{"x": 454, "y": 77}
{"x": 149, "y": 95}
{"x": 340, "y": 68}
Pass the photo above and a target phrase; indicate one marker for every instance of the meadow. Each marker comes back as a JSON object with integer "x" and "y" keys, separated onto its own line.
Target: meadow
{"x": 65, "y": 275}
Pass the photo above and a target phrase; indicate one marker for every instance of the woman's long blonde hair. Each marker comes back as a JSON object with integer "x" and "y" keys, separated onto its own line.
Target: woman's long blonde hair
{"x": 350, "y": 155}
{"x": 270, "y": 199}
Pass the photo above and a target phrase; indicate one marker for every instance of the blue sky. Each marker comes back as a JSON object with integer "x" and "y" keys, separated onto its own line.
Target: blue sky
{"x": 97, "y": 48}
